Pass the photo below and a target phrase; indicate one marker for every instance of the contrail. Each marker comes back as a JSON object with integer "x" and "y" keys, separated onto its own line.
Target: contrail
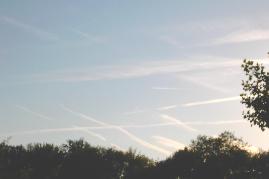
{"x": 203, "y": 83}
{"x": 51, "y": 130}
{"x": 83, "y": 116}
{"x": 199, "y": 103}
{"x": 214, "y": 101}
{"x": 178, "y": 123}
{"x": 164, "y": 108}
{"x": 166, "y": 88}
{"x": 216, "y": 122}
{"x": 130, "y": 135}
{"x": 133, "y": 71}
{"x": 169, "y": 142}
{"x": 243, "y": 36}
{"x": 197, "y": 123}
{"x": 92, "y": 133}
{"x": 29, "y": 28}
{"x": 133, "y": 112}
{"x": 34, "y": 113}
{"x": 143, "y": 142}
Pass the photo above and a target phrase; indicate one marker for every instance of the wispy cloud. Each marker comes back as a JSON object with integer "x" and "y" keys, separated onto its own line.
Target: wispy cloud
{"x": 212, "y": 101}
{"x": 143, "y": 142}
{"x": 76, "y": 128}
{"x": 171, "y": 40}
{"x": 199, "y": 81}
{"x": 42, "y": 34}
{"x": 217, "y": 122}
{"x": 91, "y": 38}
{"x": 50, "y": 130}
{"x": 166, "y": 88}
{"x": 178, "y": 123}
{"x": 94, "y": 134}
{"x": 70, "y": 129}
{"x": 167, "y": 142}
{"x": 136, "y": 111}
{"x": 135, "y": 71}
{"x": 244, "y": 36}
{"x": 121, "y": 129}
{"x": 164, "y": 108}
{"x": 195, "y": 123}
{"x": 197, "y": 34}
{"x": 83, "y": 116}
{"x": 234, "y": 30}
{"x": 39, "y": 115}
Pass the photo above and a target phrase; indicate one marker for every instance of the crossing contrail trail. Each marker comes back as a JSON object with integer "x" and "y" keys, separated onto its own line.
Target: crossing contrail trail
{"x": 119, "y": 128}
{"x": 94, "y": 134}
{"x": 178, "y": 123}
{"x": 67, "y": 129}
{"x": 25, "y": 109}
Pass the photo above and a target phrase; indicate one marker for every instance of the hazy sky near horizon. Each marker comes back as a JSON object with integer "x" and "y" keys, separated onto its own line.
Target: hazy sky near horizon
{"x": 146, "y": 74}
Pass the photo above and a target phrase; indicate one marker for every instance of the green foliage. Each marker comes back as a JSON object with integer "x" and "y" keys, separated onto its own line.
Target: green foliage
{"x": 256, "y": 94}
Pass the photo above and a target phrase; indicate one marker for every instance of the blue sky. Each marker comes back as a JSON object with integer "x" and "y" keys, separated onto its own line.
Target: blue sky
{"x": 151, "y": 75}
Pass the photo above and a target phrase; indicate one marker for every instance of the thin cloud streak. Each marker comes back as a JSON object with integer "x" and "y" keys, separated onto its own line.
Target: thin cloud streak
{"x": 203, "y": 83}
{"x": 164, "y": 108}
{"x": 133, "y": 71}
{"x": 124, "y": 131}
{"x": 243, "y": 36}
{"x": 134, "y": 112}
{"x": 239, "y": 31}
{"x": 50, "y": 130}
{"x": 39, "y": 115}
{"x": 29, "y": 28}
{"x": 70, "y": 129}
{"x": 217, "y": 122}
{"x": 83, "y": 116}
{"x": 91, "y": 38}
{"x": 178, "y": 122}
{"x": 167, "y": 142}
{"x": 165, "y": 88}
{"x": 213, "y": 101}
{"x": 92, "y": 133}
{"x": 143, "y": 142}
{"x": 197, "y": 123}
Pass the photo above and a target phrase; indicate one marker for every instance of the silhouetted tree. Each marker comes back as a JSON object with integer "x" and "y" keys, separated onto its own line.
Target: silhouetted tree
{"x": 207, "y": 157}
{"x": 260, "y": 165}
{"x": 45, "y": 160}
{"x": 136, "y": 165}
{"x": 182, "y": 164}
{"x": 256, "y": 94}
{"x": 84, "y": 161}
{"x": 221, "y": 156}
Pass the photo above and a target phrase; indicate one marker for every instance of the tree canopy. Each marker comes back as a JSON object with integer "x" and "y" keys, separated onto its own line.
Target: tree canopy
{"x": 224, "y": 156}
{"x": 255, "y": 94}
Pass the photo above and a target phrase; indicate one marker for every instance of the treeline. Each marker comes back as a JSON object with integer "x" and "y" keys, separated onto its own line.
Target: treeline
{"x": 206, "y": 157}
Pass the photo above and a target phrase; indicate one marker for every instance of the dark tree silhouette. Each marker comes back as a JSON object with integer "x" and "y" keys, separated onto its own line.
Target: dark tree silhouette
{"x": 256, "y": 94}
{"x": 207, "y": 157}
{"x": 221, "y": 156}
{"x": 76, "y": 159}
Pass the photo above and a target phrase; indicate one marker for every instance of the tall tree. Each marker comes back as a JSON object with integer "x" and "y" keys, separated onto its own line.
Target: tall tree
{"x": 256, "y": 94}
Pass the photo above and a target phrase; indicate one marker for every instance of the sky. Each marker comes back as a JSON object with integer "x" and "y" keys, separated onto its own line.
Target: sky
{"x": 150, "y": 75}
